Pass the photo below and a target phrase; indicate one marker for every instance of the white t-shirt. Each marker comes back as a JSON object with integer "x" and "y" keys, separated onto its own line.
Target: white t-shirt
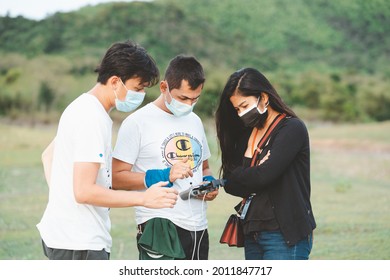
{"x": 151, "y": 138}
{"x": 84, "y": 135}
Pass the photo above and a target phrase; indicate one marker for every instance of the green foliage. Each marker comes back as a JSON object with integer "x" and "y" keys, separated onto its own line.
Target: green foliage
{"x": 320, "y": 54}
{"x": 7, "y": 103}
{"x": 46, "y": 96}
{"x": 375, "y": 101}
{"x": 339, "y": 103}
{"x": 11, "y": 76}
{"x": 214, "y": 84}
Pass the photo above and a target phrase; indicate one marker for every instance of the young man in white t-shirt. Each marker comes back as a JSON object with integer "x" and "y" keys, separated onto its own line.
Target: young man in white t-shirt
{"x": 76, "y": 223}
{"x": 165, "y": 140}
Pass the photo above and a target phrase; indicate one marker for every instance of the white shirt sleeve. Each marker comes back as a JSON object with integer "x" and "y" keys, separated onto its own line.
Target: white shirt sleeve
{"x": 89, "y": 142}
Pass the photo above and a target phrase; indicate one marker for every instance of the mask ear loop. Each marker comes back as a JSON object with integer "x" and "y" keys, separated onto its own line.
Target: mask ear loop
{"x": 116, "y": 96}
{"x": 169, "y": 92}
{"x": 265, "y": 106}
{"x": 124, "y": 85}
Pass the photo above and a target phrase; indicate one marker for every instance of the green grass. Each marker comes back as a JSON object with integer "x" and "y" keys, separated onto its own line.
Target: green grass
{"x": 350, "y": 195}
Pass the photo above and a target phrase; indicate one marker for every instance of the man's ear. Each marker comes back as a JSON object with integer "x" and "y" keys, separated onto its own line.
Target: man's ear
{"x": 113, "y": 82}
{"x": 163, "y": 86}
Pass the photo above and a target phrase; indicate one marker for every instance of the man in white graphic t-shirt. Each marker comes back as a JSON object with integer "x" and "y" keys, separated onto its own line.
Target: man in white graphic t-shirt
{"x": 166, "y": 141}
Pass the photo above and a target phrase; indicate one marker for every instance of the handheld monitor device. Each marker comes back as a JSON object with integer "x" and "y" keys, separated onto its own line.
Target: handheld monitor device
{"x": 202, "y": 189}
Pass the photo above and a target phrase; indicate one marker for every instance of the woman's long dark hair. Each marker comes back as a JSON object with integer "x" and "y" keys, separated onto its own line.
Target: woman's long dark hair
{"x": 245, "y": 82}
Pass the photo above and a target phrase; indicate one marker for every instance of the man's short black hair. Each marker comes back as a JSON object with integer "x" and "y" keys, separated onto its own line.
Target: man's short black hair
{"x": 128, "y": 60}
{"x": 184, "y": 68}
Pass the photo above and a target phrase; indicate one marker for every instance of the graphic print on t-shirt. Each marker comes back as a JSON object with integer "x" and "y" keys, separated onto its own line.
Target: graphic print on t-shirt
{"x": 178, "y": 146}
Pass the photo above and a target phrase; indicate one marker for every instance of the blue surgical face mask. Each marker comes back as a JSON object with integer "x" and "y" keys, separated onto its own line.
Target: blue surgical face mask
{"x": 132, "y": 101}
{"x": 178, "y": 108}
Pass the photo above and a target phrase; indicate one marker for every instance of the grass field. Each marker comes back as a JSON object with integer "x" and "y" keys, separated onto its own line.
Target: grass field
{"x": 350, "y": 195}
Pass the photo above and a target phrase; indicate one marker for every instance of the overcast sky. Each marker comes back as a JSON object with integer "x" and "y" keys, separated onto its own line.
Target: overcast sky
{"x": 39, "y": 9}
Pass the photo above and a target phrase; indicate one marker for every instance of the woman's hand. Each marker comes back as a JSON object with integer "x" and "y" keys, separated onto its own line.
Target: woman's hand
{"x": 265, "y": 158}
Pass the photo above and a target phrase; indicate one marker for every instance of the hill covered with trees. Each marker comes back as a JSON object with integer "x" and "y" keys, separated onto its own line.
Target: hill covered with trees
{"x": 331, "y": 57}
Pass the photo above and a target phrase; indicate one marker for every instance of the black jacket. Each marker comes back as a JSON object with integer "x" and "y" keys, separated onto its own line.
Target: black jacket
{"x": 285, "y": 176}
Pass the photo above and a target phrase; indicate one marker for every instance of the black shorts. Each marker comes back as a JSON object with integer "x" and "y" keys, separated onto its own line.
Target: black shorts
{"x": 64, "y": 254}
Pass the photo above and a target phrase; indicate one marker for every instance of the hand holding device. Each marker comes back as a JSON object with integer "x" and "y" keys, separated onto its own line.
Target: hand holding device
{"x": 202, "y": 189}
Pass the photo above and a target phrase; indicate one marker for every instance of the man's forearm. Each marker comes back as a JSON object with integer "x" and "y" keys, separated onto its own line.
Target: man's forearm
{"x": 128, "y": 180}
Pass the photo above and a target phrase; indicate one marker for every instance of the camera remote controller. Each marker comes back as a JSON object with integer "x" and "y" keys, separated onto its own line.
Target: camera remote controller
{"x": 202, "y": 189}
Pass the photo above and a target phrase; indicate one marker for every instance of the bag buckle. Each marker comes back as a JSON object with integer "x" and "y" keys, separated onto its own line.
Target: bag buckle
{"x": 245, "y": 207}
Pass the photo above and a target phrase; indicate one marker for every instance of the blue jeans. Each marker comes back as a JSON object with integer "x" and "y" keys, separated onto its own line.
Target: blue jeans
{"x": 270, "y": 245}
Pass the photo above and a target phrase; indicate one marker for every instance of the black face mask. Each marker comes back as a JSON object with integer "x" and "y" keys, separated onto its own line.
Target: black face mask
{"x": 253, "y": 117}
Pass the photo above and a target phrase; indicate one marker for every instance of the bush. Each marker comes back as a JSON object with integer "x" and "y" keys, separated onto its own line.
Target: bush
{"x": 209, "y": 99}
{"x": 374, "y": 99}
{"x": 46, "y": 96}
{"x": 9, "y": 103}
{"x": 339, "y": 104}
{"x": 11, "y": 76}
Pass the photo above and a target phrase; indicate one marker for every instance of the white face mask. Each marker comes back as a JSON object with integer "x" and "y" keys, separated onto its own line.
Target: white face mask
{"x": 132, "y": 101}
{"x": 178, "y": 108}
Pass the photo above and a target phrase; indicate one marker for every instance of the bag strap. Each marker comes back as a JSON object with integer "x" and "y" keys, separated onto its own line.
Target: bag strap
{"x": 260, "y": 146}
{"x": 266, "y": 136}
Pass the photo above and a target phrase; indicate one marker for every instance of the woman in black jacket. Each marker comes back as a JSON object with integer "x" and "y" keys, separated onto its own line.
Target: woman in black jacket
{"x": 279, "y": 221}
